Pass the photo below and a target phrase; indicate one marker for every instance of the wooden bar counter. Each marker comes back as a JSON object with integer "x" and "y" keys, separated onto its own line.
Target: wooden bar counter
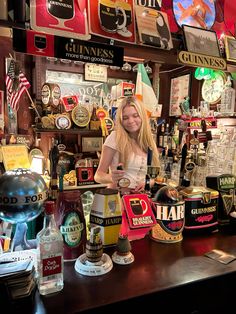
{"x": 165, "y": 277}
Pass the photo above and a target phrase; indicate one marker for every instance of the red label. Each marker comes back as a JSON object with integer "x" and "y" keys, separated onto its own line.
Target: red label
{"x": 85, "y": 174}
{"x": 40, "y": 43}
{"x": 51, "y": 266}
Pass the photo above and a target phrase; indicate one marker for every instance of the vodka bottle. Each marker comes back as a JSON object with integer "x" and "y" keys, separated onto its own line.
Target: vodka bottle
{"x": 50, "y": 253}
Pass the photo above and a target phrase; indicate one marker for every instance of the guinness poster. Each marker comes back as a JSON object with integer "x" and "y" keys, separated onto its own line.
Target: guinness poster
{"x": 153, "y": 27}
{"x": 37, "y": 43}
{"x": 112, "y": 19}
{"x": 60, "y": 17}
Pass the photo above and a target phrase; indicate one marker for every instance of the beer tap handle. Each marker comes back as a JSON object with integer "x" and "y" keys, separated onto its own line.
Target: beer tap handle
{"x": 149, "y": 156}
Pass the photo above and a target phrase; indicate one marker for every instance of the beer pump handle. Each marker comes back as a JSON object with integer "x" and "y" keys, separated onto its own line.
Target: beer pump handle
{"x": 149, "y": 156}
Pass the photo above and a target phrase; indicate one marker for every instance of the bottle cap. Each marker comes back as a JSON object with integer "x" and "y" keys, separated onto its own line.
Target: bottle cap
{"x": 49, "y": 207}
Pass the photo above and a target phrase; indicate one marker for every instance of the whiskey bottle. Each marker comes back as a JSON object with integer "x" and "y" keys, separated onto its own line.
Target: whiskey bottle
{"x": 95, "y": 122}
{"x": 161, "y": 136}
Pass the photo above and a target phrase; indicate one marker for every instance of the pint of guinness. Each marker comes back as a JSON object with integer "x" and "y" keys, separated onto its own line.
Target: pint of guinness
{"x": 107, "y": 13}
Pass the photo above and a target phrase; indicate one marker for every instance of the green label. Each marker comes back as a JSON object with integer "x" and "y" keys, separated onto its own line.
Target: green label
{"x": 226, "y": 182}
{"x": 72, "y": 229}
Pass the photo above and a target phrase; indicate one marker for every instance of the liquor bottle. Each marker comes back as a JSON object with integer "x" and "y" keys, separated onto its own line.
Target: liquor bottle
{"x": 54, "y": 158}
{"x": 166, "y": 136}
{"x": 50, "y": 253}
{"x": 71, "y": 223}
{"x": 228, "y": 98}
{"x": 161, "y": 136}
{"x": 95, "y": 122}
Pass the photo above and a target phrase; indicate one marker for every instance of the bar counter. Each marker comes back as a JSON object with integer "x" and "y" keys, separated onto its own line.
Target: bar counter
{"x": 167, "y": 277}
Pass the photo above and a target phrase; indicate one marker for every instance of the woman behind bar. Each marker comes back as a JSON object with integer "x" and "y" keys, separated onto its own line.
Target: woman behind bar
{"x": 127, "y": 146}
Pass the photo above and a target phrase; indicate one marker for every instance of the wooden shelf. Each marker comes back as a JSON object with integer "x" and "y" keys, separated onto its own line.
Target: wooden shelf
{"x": 82, "y": 187}
{"x": 71, "y": 131}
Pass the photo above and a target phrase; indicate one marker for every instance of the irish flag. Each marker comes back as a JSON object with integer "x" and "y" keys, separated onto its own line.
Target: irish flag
{"x": 144, "y": 90}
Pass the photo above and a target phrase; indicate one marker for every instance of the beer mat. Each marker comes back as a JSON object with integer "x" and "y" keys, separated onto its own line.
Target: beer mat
{"x": 220, "y": 256}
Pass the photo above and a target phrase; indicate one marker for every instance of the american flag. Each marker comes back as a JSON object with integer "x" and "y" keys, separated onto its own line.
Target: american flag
{"x": 16, "y": 84}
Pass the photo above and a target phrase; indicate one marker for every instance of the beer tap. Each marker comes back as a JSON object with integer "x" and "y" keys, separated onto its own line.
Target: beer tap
{"x": 152, "y": 172}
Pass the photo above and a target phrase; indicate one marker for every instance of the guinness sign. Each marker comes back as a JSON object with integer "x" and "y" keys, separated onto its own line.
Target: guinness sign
{"x": 47, "y": 45}
{"x": 199, "y": 60}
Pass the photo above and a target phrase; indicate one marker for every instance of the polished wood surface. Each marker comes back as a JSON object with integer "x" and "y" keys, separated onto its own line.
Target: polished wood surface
{"x": 170, "y": 275}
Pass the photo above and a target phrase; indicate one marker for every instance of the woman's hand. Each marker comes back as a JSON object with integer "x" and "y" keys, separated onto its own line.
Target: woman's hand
{"x": 139, "y": 188}
{"x": 116, "y": 175}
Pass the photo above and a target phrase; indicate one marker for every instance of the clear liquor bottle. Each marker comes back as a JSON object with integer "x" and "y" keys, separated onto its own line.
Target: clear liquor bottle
{"x": 50, "y": 254}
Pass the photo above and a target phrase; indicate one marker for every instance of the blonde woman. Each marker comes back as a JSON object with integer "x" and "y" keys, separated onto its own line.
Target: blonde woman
{"x": 127, "y": 145}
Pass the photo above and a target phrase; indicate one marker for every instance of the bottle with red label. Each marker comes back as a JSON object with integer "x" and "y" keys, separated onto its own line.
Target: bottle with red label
{"x": 71, "y": 222}
{"x": 50, "y": 253}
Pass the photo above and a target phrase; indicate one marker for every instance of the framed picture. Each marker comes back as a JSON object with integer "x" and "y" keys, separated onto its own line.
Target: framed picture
{"x": 230, "y": 48}
{"x": 153, "y": 27}
{"x": 15, "y": 156}
{"x": 92, "y": 144}
{"x": 179, "y": 91}
{"x": 201, "y": 41}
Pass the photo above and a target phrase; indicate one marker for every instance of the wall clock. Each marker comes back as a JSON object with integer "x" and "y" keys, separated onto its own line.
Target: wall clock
{"x": 213, "y": 87}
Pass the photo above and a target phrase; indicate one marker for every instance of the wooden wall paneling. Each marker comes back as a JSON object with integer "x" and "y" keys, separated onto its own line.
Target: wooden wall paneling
{"x": 164, "y": 93}
{"x": 6, "y": 48}
{"x": 156, "y": 79}
{"x": 25, "y": 117}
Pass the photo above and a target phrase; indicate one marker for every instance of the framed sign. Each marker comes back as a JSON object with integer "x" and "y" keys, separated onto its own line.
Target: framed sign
{"x": 201, "y": 41}
{"x": 153, "y": 27}
{"x": 15, "y": 156}
{"x": 230, "y": 48}
{"x": 92, "y": 144}
{"x": 95, "y": 72}
{"x": 112, "y": 19}
{"x": 179, "y": 90}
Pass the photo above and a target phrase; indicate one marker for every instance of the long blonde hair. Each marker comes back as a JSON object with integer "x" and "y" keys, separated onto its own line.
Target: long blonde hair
{"x": 145, "y": 139}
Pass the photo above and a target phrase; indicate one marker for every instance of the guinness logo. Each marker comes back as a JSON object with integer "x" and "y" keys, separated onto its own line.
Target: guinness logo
{"x": 206, "y": 197}
{"x": 199, "y": 60}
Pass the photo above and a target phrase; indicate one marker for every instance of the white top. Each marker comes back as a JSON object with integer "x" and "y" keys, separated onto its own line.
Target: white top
{"x": 136, "y": 167}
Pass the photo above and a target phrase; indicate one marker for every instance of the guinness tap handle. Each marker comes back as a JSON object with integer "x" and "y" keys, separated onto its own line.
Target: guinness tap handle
{"x": 53, "y": 157}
